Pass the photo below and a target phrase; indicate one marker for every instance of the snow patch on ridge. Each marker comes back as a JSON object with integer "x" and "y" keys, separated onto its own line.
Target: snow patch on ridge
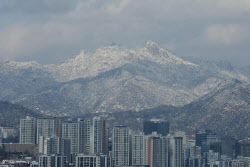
{"x": 111, "y": 57}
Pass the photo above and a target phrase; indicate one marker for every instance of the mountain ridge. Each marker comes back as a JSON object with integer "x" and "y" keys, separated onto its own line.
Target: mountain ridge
{"x": 112, "y": 79}
{"x": 10, "y": 114}
{"x": 230, "y": 116}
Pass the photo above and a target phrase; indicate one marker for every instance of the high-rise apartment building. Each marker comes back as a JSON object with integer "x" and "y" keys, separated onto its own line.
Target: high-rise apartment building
{"x": 70, "y": 130}
{"x": 158, "y": 151}
{"x": 120, "y": 146}
{"x": 98, "y": 137}
{"x": 55, "y": 145}
{"x": 93, "y": 137}
{"x": 82, "y": 135}
{"x": 48, "y": 127}
{"x": 176, "y": 152}
{"x": 203, "y": 135}
{"x": 28, "y": 130}
{"x": 195, "y": 161}
{"x": 87, "y": 161}
{"x": 46, "y": 161}
{"x": 61, "y": 161}
{"x": 139, "y": 149}
{"x": 52, "y": 161}
{"x": 156, "y": 125}
{"x": 83, "y": 160}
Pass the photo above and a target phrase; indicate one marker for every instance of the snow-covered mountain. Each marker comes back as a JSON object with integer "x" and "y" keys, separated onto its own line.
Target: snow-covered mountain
{"x": 246, "y": 71}
{"x": 23, "y": 78}
{"x": 112, "y": 79}
{"x": 225, "y": 110}
{"x": 112, "y": 57}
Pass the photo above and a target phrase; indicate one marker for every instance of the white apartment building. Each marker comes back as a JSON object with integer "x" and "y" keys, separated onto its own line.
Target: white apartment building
{"x": 28, "y": 130}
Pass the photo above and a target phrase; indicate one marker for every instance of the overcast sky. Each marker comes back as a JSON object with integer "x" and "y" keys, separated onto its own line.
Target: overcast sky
{"x": 51, "y": 31}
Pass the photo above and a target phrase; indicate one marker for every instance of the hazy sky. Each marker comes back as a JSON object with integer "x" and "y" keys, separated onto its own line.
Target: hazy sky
{"x": 51, "y": 31}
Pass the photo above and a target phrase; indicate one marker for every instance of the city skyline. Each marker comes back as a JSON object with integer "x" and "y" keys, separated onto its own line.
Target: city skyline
{"x": 126, "y": 147}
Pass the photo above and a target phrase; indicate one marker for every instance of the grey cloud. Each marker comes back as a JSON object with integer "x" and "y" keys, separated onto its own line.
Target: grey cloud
{"x": 188, "y": 27}
{"x": 227, "y": 34}
{"x": 36, "y": 6}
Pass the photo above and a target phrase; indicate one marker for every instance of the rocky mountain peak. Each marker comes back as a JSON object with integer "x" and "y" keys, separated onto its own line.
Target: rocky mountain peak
{"x": 152, "y": 47}
{"x": 229, "y": 92}
{"x": 13, "y": 66}
{"x": 230, "y": 83}
{"x": 20, "y": 64}
{"x": 111, "y": 79}
{"x": 80, "y": 56}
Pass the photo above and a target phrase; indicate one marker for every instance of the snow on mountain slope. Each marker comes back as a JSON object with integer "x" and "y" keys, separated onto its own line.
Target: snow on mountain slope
{"x": 8, "y": 66}
{"x": 111, "y": 57}
{"x": 225, "y": 110}
{"x": 19, "y": 78}
{"x": 112, "y": 79}
{"x": 116, "y": 91}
